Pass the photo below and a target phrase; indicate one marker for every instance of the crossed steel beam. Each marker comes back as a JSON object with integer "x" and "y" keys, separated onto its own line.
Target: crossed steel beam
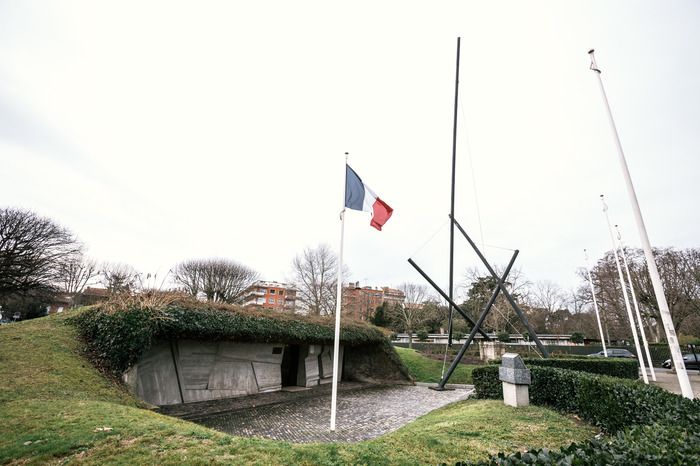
{"x": 447, "y": 298}
{"x": 500, "y": 287}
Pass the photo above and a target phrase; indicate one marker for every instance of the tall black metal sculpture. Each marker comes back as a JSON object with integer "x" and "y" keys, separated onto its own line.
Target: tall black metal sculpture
{"x": 500, "y": 281}
{"x": 476, "y": 326}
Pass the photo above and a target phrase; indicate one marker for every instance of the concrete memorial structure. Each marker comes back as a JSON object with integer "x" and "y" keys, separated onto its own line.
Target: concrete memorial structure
{"x": 516, "y": 380}
{"x": 185, "y": 371}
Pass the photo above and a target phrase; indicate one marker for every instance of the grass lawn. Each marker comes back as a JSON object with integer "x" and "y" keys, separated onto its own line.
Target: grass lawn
{"x": 55, "y": 407}
{"x": 424, "y": 369}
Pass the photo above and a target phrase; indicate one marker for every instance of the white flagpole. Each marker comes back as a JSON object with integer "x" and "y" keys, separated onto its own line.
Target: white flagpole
{"x": 640, "y": 356}
{"x": 636, "y": 305}
{"x": 338, "y": 298}
{"x": 595, "y": 305}
{"x": 669, "y": 328}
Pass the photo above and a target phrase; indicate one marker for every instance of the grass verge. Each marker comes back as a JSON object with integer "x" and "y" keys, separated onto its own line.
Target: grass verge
{"x": 424, "y": 369}
{"x": 56, "y": 408}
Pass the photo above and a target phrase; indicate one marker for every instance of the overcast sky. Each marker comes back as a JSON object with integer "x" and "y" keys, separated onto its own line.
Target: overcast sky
{"x": 162, "y": 131}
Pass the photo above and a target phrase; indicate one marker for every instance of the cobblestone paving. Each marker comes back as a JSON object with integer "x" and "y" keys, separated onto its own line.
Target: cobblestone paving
{"x": 362, "y": 414}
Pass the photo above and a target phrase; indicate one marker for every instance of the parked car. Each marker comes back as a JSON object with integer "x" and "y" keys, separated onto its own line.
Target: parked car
{"x": 691, "y": 361}
{"x": 614, "y": 353}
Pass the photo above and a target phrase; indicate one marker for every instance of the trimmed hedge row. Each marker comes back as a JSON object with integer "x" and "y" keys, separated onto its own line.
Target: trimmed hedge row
{"x": 614, "y": 367}
{"x": 119, "y": 338}
{"x": 639, "y": 445}
{"x": 607, "y": 402}
{"x": 651, "y": 425}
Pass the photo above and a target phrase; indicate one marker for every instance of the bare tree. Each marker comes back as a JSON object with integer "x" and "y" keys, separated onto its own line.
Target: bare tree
{"x": 32, "y": 251}
{"x": 315, "y": 275}
{"x": 680, "y": 274}
{"x": 548, "y": 305}
{"x": 76, "y": 273}
{"x": 118, "y": 277}
{"x": 413, "y": 312}
{"x": 220, "y": 280}
{"x": 547, "y": 295}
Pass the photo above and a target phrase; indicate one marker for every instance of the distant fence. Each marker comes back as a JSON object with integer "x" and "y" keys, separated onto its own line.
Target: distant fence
{"x": 437, "y": 348}
{"x": 659, "y": 353}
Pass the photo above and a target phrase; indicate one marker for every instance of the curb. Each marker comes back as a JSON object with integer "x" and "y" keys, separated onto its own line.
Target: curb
{"x": 449, "y": 386}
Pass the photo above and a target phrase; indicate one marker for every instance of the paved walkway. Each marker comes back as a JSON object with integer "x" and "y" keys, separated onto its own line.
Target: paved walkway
{"x": 668, "y": 379}
{"x": 362, "y": 414}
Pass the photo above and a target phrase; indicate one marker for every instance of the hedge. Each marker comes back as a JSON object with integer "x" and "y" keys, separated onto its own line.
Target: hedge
{"x": 614, "y": 367}
{"x": 650, "y": 425}
{"x": 118, "y": 338}
{"x": 639, "y": 445}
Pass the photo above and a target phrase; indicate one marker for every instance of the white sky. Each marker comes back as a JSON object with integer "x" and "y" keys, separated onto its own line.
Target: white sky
{"x": 162, "y": 131}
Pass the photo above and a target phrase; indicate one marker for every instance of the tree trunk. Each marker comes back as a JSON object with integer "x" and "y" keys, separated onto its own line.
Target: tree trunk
{"x": 410, "y": 338}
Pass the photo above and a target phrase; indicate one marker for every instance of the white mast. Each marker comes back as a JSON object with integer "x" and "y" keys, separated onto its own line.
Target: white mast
{"x": 338, "y": 298}
{"x": 595, "y": 305}
{"x": 640, "y": 357}
{"x": 670, "y": 330}
{"x": 636, "y": 305}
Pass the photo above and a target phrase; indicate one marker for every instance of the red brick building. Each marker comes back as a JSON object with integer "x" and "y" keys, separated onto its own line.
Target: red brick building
{"x": 360, "y": 302}
{"x": 271, "y": 295}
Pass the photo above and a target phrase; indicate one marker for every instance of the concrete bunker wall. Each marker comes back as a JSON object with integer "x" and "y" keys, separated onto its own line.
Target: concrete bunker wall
{"x": 184, "y": 371}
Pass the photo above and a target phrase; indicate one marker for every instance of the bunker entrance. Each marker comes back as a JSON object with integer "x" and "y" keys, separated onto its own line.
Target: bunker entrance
{"x": 290, "y": 366}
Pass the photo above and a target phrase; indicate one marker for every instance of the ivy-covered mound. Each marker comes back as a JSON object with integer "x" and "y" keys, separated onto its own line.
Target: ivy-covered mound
{"x": 648, "y": 425}
{"x": 119, "y": 334}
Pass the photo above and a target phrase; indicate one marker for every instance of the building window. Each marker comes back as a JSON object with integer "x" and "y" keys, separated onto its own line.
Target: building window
{"x": 281, "y": 292}
{"x": 271, "y": 300}
{"x": 272, "y": 291}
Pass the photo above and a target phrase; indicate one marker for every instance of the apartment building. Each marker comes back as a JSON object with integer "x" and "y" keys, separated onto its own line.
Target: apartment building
{"x": 271, "y": 295}
{"x": 360, "y": 302}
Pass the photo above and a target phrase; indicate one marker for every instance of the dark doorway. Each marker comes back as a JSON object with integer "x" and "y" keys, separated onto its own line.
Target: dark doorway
{"x": 290, "y": 365}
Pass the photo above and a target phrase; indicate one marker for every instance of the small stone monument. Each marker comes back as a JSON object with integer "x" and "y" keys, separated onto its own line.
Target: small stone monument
{"x": 516, "y": 379}
{"x": 490, "y": 350}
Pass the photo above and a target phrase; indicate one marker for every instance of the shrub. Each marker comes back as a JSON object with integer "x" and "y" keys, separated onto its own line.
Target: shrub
{"x": 651, "y": 425}
{"x": 615, "y": 367}
{"x": 422, "y": 334}
{"x": 486, "y": 382}
{"x": 640, "y": 445}
{"x": 607, "y": 402}
{"x": 503, "y": 337}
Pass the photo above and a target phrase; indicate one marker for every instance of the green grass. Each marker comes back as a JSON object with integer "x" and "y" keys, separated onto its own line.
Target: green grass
{"x": 424, "y": 369}
{"x": 55, "y": 406}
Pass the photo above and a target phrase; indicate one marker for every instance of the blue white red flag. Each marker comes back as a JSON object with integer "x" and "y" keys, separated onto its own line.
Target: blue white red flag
{"x": 358, "y": 196}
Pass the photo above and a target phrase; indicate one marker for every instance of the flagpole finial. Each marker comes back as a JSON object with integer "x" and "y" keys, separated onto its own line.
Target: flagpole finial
{"x": 594, "y": 65}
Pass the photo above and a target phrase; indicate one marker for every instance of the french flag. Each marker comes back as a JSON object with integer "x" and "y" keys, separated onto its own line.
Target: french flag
{"x": 358, "y": 196}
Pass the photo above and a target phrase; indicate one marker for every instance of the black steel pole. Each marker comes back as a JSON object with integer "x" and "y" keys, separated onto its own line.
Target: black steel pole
{"x": 442, "y": 293}
{"x": 452, "y": 199}
{"x": 482, "y": 317}
{"x": 510, "y": 299}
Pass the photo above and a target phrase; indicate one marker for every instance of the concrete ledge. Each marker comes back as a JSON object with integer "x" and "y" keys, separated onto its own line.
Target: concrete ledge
{"x": 449, "y": 386}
